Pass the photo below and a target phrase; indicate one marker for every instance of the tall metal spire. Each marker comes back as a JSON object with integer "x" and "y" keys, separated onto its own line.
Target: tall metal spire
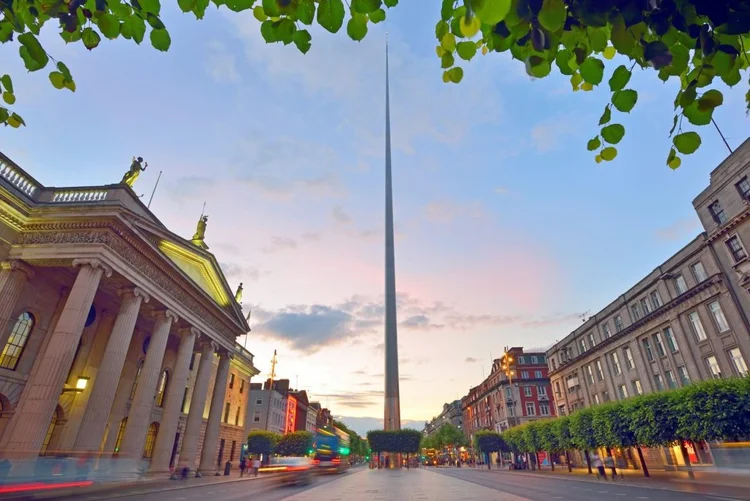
{"x": 392, "y": 409}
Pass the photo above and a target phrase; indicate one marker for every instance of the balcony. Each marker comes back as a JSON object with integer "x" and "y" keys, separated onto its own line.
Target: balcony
{"x": 543, "y": 398}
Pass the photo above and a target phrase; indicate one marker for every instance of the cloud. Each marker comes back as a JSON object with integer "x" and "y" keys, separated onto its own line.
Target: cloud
{"x": 322, "y": 186}
{"x": 678, "y": 230}
{"x": 279, "y": 244}
{"x": 362, "y": 425}
{"x": 353, "y": 400}
{"x": 553, "y": 320}
{"x": 220, "y": 64}
{"x": 340, "y": 216}
{"x": 553, "y": 133}
{"x": 447, "y": 211}
{"x": 471, "y": 360}
{"x": 502, "y": 190}
{"x": 237, "y": 272}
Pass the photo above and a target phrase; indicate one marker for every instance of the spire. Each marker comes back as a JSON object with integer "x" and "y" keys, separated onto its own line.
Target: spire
{"x": 392, "y": 411}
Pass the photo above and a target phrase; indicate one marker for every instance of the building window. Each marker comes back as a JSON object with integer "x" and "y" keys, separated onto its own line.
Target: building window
{"x": 655, "y": 299}
{"x": 162, "y": 388}
{"x": 680, "y": 284}
{"x": 544, "y": 409}
{"x": 699, "y": 272}
{"x": 596, "y": 399}
{"x": 237, "y": 416}
{"x": 615, "y": 363}
{"x": 618, "y": 323}
{"x": 738, "y": 361}
{"x": 589, "y": 374}
{"x": 508, "y": 393}
{"x": 527, "y": 391}
{"x": 713, "y": 367}
{"x": 231, "y": 452}
{"x": 592, "y": 340}
{"x": 231, "y": 380}
{"x": 637, "y": 388}
{"x": 743, "y": 187}
{"x": 530, "y": 410}
{"x": 629, "y": 358}
{"x": 735, "y": 248}
{"x": 684, "y": 376}
{"x": 605, "y": 396}
{"x": 242, "y": 386}
{"x": 557, "y": 389}
{"x": 582, "y": 345}
{"x": 561, "y": 410}
{"x": 256, "y": 417}
{"x": 717, "y": 213}
{"x": 659, "y": 345}
{"x": 671, "y": 341}
{"x": 120, "y": 434}
{"x": 521, "y": 359}
{"x": 623, "y": 391}
{"x": 538, "y": 374}
{"x": 605, "y": 331}
{"x": 541, "y": 391}
{"x": 671, "y": 381}
{"x": 259, "y": 401}
{"x": 645, "y": 306}
{"x": 511, "y": 411}
{"x": 599, "y": 371}
{"x": 135, "y": 381}
{"x": 636, "y": 312}
{"x": 647, "y": 349}
{"x": 19, "y": 336}
{"x": 227, "y": 408}
{"x": 719, "y": 318}
{"x": 659, "y": 382}
{"x": 184, "y": 401}
{"x": 524, "y": 374}
{"x": 697, "y": 326}
{"x": 50, "y": 432}
{"x": 534, "y": 360}
{"x": 148, "y": 448}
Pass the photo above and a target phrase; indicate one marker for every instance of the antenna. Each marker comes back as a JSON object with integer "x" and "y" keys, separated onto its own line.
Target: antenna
{"x": 203, "y": 210}
{"x": 272, "y": 375}
{"x": 296, "y": 382}
{"x": 152, "y": 193}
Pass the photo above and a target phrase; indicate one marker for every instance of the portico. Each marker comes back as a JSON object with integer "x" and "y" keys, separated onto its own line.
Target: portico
{"x": 104, "y": 312}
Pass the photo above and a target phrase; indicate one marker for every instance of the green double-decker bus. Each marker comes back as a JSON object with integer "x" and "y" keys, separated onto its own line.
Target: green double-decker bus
{"x": 331, "y": 450}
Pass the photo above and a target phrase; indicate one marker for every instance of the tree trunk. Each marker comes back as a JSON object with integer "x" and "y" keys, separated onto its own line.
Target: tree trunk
{"x": 489, "y": 460}
{"x": 567, "y": 460}
{"x": 643, "y": 461}
{"x": 551, "y": 460}
{"x": 588, "y": 460}
{"x": 536, "y": 460}
{"x": 683, "y": 449}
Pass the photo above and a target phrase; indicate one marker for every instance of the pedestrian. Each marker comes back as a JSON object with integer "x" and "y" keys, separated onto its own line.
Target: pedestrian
{"x": 597, "y": 463}
{"x": 609, "y": 462}
{"x": 243, "y": 466}
{"x": 256, "y": 466}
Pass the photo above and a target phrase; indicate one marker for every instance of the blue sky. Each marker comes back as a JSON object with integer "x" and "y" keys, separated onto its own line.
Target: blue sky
{"x": 506, "y": 228}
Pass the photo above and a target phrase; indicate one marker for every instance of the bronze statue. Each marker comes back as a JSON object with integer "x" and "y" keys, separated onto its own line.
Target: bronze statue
{"x": 200, "y": 232}
{"x": 238, "y": 294}
{"x": 135, "y": 170}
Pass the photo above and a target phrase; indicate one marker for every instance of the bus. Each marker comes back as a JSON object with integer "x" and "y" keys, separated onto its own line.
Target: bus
{"x": 331, "y": 450}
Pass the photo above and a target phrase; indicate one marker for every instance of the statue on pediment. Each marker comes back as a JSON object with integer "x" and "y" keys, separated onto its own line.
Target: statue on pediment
{"x": 238, "y": 294}
{"x": 136, "y": 167}
{"x": 200, "y": 232}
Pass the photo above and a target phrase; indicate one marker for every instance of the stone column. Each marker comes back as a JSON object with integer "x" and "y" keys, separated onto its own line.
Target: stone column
{"x": 171, "y": 416}
{"x": 13, "y": 277}
{"x": 210, "y": 443}
{"x": 139, "y": 417}
{"x": 39, "y": 398}
{"x": 94, "y": 421}
{"x": 197, "y": 403}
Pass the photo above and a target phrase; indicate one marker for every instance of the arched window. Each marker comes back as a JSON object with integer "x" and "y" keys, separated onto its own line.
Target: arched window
{"x": 148, "y": 448}
{"x": 17, "y": 341}
{"x": 50, "y": 431}
{"x": 120, "y": 434}
{"x": 135, "y": 381}
{"x": 162, "y": 388}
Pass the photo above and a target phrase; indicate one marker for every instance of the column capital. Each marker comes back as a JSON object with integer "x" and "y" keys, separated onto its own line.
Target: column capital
{"x": 206, "y": 342}
{"x": 185, "y": 331}
{"x": 18, "y": 265}
{"x": 134, "y": 291}
{"x": 94, "y": 263}
{"x": 225, "y": 353}
{"x": 167, "y": 313}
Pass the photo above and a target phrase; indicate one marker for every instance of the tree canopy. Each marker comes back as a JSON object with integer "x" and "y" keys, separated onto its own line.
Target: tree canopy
{"x": 296, "y": 444}
{"x": 697, "y": 43}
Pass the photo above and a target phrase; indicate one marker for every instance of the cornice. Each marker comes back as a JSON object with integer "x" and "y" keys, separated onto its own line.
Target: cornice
{"x": 730, "y": 225}
{"x": 715, "y": 279}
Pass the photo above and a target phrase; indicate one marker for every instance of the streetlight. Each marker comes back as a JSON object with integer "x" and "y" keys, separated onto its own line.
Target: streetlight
{"x": 81, "y": 383}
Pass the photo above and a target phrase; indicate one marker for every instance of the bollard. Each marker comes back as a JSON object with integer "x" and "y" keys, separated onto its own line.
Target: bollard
{"x": 227, "y": 468}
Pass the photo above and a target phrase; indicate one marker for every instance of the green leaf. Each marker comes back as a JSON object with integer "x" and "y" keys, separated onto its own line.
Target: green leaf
{"x": 150, "y": 6}
{"x": 466, "y": 50}
{"x": 592, "y": 70}
{"x": 109, "y": 25}
{"x": 619, "y": 78}
{"x": 687, "y": 97}
{"x": 390, "y": 3}
{"x": 625, "y": 100}
{"x": 90, "y": 38}
{"x": 271, "y": 8}
{"x": 9, "y": 98}
{"x": 562, "y": 59}
{"x": 622, "y": 39}
{"x": 267, "y": 31}
{"x": 32, "y": 53}
{"x": 331, "y": 14}
{"x": 160, "y": 40}
{"x": 259, "y": 13}
{"x": 673, "y": 161}
{"x": 365, "y": 6}
{"x": 696, "y": 116}
{"x": 446, "y": 10}
{"x": 377, "y": 16}
{"x": 3, "y": 115}
{"x": 609, "y": 153}
{"x": 594, "y": 144}
{"x": 447, "y": 60}
{"x": 614, "y": 133}
{"x": 606, "y": 116}
{"x": 7, "y": 83}
{"x": 302, "y": 40}
{"x": 64, "y": 70}
{"x": 57, "y": 79}
{"x": 306, "y": 11}
{"x": 454, "y": 74}
{"x": 537, "y": 67}
{"x": 134, "y": 28}
{"x": 356, "y": 28}
{"x": 710, "y": 100}
{"x": 441, "y": 29}
{"x": 15, "y": 121}
{"x": 491, "y": 11}
{"x": 448, "y": 42}
{"x": 732, "y": 78}
{"x": 687, "y": 142}
{"x": 552, "y": 15}
{"x": 284, "y": 30}
{"x": 186, "y": 5}
{"x": 657, "y": 53}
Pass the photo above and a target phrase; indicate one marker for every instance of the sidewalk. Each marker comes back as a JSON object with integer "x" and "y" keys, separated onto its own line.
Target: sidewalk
{"x": 118, "y": 489}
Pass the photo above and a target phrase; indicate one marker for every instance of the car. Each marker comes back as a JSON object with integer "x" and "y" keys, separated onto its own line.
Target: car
{"x": 291, "y": 470}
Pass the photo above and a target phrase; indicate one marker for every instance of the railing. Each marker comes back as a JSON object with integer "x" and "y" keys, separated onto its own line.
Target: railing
{"x": 19, "y": 180}
{"x": 242, "y": 351}
{"x": 80, "y": 195}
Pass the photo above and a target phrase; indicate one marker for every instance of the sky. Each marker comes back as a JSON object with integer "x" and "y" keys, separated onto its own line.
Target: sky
{"x": 507, "y": 231}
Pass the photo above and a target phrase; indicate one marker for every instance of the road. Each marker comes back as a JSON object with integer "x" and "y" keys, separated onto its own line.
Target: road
{"x": 537, "y": 488}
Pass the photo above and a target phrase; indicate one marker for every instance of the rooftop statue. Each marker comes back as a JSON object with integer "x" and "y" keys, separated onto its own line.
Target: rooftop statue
{"x": 200, "y": 232}
{"x": 135, "y": 170}
{"x": 238, "y": 294}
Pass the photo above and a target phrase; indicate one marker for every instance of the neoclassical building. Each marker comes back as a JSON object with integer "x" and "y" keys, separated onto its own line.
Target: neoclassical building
{"x": 118, "y": 337}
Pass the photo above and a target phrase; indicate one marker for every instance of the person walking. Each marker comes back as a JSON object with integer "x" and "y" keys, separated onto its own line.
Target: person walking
{"x": 243, "y": 466}
{"x": 609, "y": 462}
{"x": 256, "y": 466}
{"x": 599, "y": 465}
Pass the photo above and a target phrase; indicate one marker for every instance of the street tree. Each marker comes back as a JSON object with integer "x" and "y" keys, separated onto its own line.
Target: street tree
{"x": 699, "y": 44}
{"x": 262, "y": 442}
{"x": 580, "y": 431}
{"x": 296, "y": 444}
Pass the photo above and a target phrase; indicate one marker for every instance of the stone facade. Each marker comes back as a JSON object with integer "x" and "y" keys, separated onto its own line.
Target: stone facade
{"x": 451, "y": 414}
{"x": 103, "y": 312}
